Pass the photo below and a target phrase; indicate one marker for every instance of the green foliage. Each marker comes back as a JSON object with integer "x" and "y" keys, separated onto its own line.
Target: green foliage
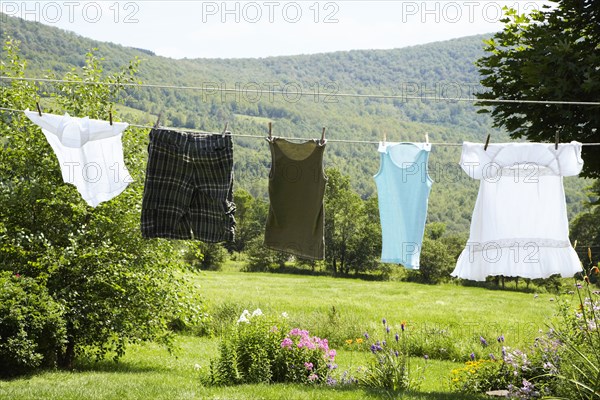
{"x": 116, "y": 287}
{"x": 261, "y": 349}
{"x": 352, "y": 231}
{"x": 552, "y": 54}
{"x": 436, "y": 262}
{"x": 478, "y": 376}
{"x": 261, "y": 259}
{"x": 205, "y": 256}
{"x": 32, "y": 326}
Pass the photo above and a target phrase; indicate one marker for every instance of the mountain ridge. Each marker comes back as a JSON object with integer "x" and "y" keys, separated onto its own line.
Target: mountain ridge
{"x": 414, "y": 74}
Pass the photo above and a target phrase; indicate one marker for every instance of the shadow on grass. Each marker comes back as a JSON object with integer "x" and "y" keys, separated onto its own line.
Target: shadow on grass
{"x": 90, "y": 365}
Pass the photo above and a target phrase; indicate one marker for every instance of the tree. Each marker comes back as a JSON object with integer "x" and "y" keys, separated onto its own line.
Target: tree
{"x": 350, "y": 229}
{"x": 115, "y": 287}
{"x": 551, "y": 54}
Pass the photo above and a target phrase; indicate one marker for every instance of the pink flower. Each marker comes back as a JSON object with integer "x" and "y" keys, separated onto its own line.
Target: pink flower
{"x": 308, "y": 366}
{"x": 17, "y": 275}
{"x": 312, "y": 377}
{"x": 287, "y": 343}
{"x": 332, "y": 353}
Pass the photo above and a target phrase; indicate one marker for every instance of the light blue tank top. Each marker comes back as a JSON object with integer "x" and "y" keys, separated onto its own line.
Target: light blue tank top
{"x": 403, "y": 187}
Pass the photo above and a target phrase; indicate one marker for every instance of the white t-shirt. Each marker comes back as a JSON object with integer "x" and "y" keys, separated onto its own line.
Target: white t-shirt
{"x": 90, "y": 154}
{"x": 519, "y": 225}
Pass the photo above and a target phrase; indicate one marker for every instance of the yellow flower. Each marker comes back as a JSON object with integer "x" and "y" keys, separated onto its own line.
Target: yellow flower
{"x": 472, "y": 371}
{"x": 455, "y": 380}
{"x": 349, "y": 341}
{"x": 359, "y": 340}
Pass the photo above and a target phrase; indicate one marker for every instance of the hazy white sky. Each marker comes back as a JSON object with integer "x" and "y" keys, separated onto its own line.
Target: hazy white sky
{"x": 232, "y": 29}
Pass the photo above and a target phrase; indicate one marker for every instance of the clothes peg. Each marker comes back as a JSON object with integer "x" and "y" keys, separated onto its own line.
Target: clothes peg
{"x": 110, "y": 116}
{"x": 39, "y": 108}
{"x": 323, "y": 136}
{"x": 270, "y": 130}
{"x": 426, "y": 138}
{"x": 384, "y": 138}
{"x": 225, "y": 132}
{"x": 487, "y": 142}
{"x": 157, "y": 120}
{"x": 556, "y": 140}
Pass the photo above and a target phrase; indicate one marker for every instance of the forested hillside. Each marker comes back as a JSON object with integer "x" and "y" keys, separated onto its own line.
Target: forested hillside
{"x": 440, "y": 70}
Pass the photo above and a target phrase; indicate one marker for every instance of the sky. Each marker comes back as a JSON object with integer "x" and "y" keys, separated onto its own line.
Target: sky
{"x": 239, "y": 29}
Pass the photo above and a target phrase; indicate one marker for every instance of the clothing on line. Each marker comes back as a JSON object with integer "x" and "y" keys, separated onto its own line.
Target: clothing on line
{"x": 188, "y": 192}
{"x": 295, "y": 223}
{"x": 89, "y": 152}
{"x": 519, "y": 225}
{"x": 403, "y": 187}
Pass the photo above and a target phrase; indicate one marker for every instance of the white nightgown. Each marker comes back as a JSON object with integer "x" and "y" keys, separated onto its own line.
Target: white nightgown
{"x": 519, "y": 225}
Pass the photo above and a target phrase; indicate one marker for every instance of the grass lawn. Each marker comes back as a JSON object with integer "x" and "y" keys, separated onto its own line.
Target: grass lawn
{"x": 462, "y": 313}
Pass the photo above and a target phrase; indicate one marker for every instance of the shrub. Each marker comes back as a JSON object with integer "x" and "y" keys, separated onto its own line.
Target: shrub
{"x": 261, "y": 349}
{"x": 205, "y": 256}
{"x": 32, "y": 328}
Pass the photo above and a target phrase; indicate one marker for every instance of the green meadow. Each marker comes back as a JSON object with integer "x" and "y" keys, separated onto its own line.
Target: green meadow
{"x": 445, "y": 322}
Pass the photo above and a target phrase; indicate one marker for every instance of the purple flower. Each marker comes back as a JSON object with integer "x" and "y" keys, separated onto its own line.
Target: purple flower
{"x": 396, "y": 353}
{"x": 397, "y": 337}
{"x": 366, "y": 336}
{"x": 308, "y": 366}
{"x": 484, "y": 342}
{"x": 492, "y": 357}
{"x": 387, "y": 329}
{"x": 578, "y": 285}
{"x": 313, "y": 377}
{"x": 472, "y": 355}
{"x": 384, "y": 322}
{"x": 426, "y": 357}
{"x": 331, "y": 381}
{"x": 287, "y": 343}
{"x": 503, "y": 352}
{"x": 500, "y": 338}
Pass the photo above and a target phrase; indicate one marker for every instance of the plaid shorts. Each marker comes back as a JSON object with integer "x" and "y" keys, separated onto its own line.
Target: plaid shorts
{"x": 188, "y": 192}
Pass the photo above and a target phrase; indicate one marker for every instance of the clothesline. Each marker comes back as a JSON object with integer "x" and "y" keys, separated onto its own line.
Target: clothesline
{"x": 439, "y": 144}
{"x": 300, "y": 93}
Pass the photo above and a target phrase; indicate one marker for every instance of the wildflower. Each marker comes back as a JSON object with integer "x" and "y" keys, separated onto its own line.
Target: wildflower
{"x": 500, "y": 338}
{"x": 287, "y": 343}
{"x": 396, "y": 353}
{"x": 349, "y": 342}
{"x": 492, "y": 357}
{"x": 243, "y": 319}
{"x": 472, "y": 355}
{"x": 313, "y": 377}
{"x": 535, "y": 296}
{"x": 197, "y": 367}
{"x": 366, "y": 336}
{"x": 397, "y": 337}
{"x": 384, "y": 322}
{"x": 331, "y": 381}
{"x": 257, "y": 312}
{"x": 332, "y": 366}
{"x": 586, "y": 279}
{"x": 332, "y": 354}
{"x": 387, "y": 329}
{"x": 359, "y": 340}
{"x": 403, "y": 325}
{"x": 284, "y": 314}
{"x": 484, "y": 342}
{"x": 308, "y": 366}
{"x": 426, "y": 357}
{"x": 578, "y": 285}
{"x": 17, "y": 275}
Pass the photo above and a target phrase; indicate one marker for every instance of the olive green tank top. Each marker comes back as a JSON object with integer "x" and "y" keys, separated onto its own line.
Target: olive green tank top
{"x": 296, "y": 190}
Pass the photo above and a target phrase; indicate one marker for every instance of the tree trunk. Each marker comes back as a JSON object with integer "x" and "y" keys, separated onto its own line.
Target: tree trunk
{"x": 67, "y": 358}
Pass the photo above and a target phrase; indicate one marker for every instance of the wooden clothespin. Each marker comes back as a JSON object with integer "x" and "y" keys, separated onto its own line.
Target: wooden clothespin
{"x": 323, "y": 136}
{"x": 384, "y": 138}
{"x": 556, "y": 140}
{"x": 110, "y": 116}
{"x": 225, "y": 132}
{"x": 487, "y": 142}
{"x": 426, "y": 138}
{"x": 39, "y": 108}
{"x": 157, "y": 120}
{"x": 270, "y": 130}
